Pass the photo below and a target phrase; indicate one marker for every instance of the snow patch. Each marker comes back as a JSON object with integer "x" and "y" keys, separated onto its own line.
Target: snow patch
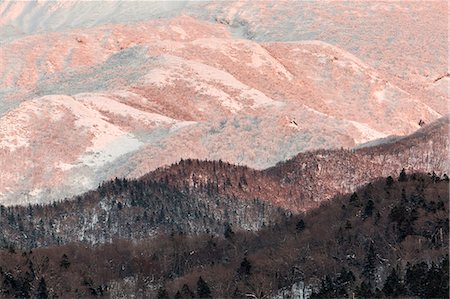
{"x": 207, "y": 80}
{"x": 180, "y": 31}
{"x": 108, "y": 141}
{"x": 218, "y": 45}
{"x": 380, "y": 95}
{"x": 159, "y": 77}
{"x": 181, "y": 125}
{"x": 112, "y": 150}
{"x": 64, "y": 166}
{"x": 13, "y": 133}
{"x": 35, "y": 192}
{"x": 104, "y": 103}
{"x": 367, "y": 133}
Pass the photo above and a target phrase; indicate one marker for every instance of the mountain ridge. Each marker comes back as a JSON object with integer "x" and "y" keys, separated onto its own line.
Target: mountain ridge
{"x": 134, "y": 97}
{"x": 203, "y": 196}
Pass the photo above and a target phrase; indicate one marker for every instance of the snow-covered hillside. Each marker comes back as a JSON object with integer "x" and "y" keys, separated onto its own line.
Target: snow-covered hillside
{"x": 89, "y": 92}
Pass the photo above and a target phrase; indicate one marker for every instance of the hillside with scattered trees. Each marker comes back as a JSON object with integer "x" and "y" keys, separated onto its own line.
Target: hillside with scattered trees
{"x": 387, "y": 239}
{"x": 310, "y": 178}
{"x": 132, "y": 210}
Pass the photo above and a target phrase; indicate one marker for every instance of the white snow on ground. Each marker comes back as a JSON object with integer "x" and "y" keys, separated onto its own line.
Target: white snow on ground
{"x": 12, "y": 142}
{"x": 64, "y": 166}
{"x": 112, "y": 150}
{"x": 159, "y": 77}
{"x": 88, "y": 118}
{"x": 41, "y": 16}
{"x": 342, "y": 53}
{"x": 257, "y": 61}
{"x": 367, "y": 133}
{"x": 180, "y": 31}
{"x": 261, "y": 57}
{"x": 218, "y": 45}
{"x": 345, "y": 60}
{"x": 210, "y": 90}
{"x": 380, "y": 95}
{"x": 35, "y": 192}
{"x": 208, "y": 80}
{"x": 103, "y": 103}
{"x": 12, "y": 127}
{"x": 109, "y": 141}
{"x": 129, "y": 94}
{"x": 181, "y": 125}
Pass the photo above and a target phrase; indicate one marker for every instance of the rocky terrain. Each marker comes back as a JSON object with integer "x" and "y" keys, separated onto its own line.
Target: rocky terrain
{"x": 84, "y": 99}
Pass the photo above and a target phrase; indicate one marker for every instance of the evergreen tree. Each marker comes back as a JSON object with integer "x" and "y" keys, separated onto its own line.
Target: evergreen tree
{"x": 368, "y": 209}
{"x": 416, "y": 279}
{"x": 369, "y": 268}
{"x": 437, "y": 280}
{"x": 354, "y": 197}
{"x": 348, "y": 224}
{"x": 300, "y": 225}
{"x": 42, "y": 292}
{"x": 364, "y": 291}
{"x": 203, "y": 290}
{"x": 64, "y": 262}
{"x": 435, "y": 178}
{"x": 186, "y": 292}
{"x": 245, "y": 268}
{"x": 337, "y": 287}
{"x": 445, "y": 177}
{"x": 402, "y": 177}
{"x": 389, "y": 181}
{"x": 237, "y": 293}
{"x": 326, "y": 289}
{"x": 393, "y": 285}
{"x": 228, "y": 232}
{"x": 162, "y": 294}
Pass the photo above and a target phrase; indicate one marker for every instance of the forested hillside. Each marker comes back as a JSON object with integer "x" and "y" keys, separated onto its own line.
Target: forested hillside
{"x": 196, "y": 196}
{"x": 310, "y": 178}
{"x": 389, "y": 238}
{"x": 133, "y": 210}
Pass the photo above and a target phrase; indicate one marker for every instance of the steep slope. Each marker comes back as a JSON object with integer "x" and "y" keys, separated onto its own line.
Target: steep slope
{"x": 122, "y": 100}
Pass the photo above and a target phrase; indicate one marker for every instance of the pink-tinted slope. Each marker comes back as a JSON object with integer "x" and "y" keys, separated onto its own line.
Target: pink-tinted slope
{"x": 121, "y": 100}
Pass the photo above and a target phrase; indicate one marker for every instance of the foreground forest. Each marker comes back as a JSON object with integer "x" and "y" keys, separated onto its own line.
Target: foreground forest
{"x": 388, "y": 239}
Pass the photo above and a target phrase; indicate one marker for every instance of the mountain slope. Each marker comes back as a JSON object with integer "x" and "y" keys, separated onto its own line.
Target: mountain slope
{"x": 401, "y": 225}
{"x": 122, "y": 100}
{"x": 310, "y": 178}
{"x": 413, "y": 35}
{"x": 202, "y": 196}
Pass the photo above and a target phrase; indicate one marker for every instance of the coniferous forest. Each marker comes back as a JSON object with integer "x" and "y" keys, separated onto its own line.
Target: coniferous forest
{"x": 388, "y": 239}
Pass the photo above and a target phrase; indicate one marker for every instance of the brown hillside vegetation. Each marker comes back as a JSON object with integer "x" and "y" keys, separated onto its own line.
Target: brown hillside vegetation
{"x": 389, "y": 238}
{"x": 202, "y": 196}
{"x": 311, "y": 178}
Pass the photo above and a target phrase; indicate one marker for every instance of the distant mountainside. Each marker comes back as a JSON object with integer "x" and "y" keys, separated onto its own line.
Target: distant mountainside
{"x": 79, "y": 106}
{"x": 310, "y": 178}
{"x": 389, "y": 238}
{"x": 414, "y": 54}
{"x": 204, "y": 196}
